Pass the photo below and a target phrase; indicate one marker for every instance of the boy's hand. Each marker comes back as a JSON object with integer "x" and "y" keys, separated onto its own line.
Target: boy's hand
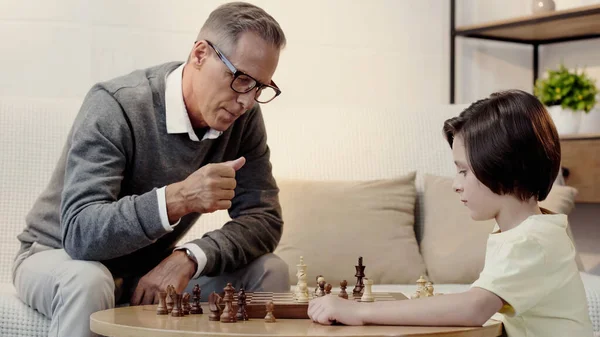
{"x": 331, "y": 309}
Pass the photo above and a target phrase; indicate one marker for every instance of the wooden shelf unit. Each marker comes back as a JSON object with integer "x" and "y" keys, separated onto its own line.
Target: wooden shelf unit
{"x": 535, "y": 30}
{"x": 581, "y": 157}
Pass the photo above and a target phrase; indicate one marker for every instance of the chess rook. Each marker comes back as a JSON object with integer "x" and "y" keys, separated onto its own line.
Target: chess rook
{"x": 367, "y": 295}
{"x": 177, "y": 311}
{"x": 162, "y": 305}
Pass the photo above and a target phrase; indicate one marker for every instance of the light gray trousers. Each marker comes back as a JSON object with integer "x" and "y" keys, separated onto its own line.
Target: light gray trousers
{"x": 68, "y": 291}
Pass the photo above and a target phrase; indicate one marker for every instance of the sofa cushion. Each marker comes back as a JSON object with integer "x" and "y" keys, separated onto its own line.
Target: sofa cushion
{"x": 17, "y": 319}
{"x": 453, "y": 244}
{"x": 332, "y": 223}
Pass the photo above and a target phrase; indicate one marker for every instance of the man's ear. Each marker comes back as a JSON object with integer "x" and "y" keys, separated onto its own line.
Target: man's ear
{"x": 199, "y": 54}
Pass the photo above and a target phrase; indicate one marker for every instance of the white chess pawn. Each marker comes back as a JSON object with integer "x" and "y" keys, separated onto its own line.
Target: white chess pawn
{"x": 367, "y": 294}
{"x": 420, "y": 288}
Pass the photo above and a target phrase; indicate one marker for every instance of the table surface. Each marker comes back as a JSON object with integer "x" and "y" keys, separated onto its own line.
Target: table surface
{"x": 142, "y": 321}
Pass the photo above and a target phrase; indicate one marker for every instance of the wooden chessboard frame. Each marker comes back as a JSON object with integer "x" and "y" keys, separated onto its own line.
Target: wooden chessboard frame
{"x": 287, "y": 308}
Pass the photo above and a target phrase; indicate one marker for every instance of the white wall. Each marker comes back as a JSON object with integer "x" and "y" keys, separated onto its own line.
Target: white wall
{"x": 375, "y": 53}
{"x": 351, "y": 52}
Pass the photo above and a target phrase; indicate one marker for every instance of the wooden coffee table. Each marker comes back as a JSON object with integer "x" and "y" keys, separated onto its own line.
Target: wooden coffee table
{"x": 142, "y": 321}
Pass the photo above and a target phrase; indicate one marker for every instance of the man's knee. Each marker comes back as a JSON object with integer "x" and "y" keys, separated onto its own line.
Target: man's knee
{"x": 86, "y": 281}
{"x": 273, "y": 264}
{"x": 276, "y": 273}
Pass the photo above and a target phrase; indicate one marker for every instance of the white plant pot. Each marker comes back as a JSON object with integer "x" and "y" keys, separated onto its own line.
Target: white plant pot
{"x": 567, "y": 121}
{"x": 590, "y": 122}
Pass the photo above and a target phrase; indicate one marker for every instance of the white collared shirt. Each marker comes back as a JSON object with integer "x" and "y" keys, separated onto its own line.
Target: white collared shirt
{"x": 178, "y": 121}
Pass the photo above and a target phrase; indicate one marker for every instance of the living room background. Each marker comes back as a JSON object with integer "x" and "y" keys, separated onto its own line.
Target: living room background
{"x": 375, "y": 53}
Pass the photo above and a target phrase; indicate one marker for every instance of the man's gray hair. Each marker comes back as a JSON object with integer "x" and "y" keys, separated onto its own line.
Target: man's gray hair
{"x": 226, "y": 23}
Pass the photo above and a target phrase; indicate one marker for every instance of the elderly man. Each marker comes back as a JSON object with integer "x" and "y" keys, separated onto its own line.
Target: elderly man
{"x": 148, "y": 153}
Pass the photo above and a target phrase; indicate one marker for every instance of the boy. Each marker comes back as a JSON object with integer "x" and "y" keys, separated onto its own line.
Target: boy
{"x": 507, "y": 154}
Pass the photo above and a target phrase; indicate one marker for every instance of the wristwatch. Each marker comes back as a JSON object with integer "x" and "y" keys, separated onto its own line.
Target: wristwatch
{"x": 190, "y": 256}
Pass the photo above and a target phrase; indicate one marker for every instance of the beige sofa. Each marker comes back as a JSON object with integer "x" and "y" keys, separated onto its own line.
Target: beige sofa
{"x": 354, "y": 182}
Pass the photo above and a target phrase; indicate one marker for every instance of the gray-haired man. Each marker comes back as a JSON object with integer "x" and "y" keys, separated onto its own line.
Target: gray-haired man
{"x": 147, "y": 154}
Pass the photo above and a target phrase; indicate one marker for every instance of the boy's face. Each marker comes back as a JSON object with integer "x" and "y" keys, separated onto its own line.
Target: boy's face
{"x": 481, "y": 201}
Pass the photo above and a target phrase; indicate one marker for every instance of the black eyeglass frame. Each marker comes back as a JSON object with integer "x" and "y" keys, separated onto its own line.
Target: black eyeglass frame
{"x": 237, "y": 73}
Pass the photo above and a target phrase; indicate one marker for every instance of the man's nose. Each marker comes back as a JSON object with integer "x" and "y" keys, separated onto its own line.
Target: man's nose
{"x": 247, "y": 99}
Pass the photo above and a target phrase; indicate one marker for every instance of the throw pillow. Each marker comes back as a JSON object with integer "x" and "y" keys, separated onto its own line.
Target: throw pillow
{"x": 331, "y": 223}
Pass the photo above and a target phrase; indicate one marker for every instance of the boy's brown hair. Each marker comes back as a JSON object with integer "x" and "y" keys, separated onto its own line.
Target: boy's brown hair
{"x": 511, "y": 143}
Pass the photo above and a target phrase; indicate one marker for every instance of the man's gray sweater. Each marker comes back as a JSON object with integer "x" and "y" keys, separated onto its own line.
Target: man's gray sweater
{"x": 101, "y": 202}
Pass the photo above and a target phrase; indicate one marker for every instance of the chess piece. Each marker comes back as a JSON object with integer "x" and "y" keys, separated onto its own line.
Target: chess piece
{"x": 367, "y": 295}
{"x": 185, "y": 304}
{"x": 162, "y": 305}
{"x": 302, "y": 296}
{"x": 321, "y": 291}
{"x": 213, "y": 305}
{"x": 241, "y": 315}
{"x": 343, "y": 293}
{"x": 301, "y": 293}
{"x": 420, "y": 288}
{"x": 328, "y": 287}
{"x": 319, "y": 279}
{"x": 169, "y": 301}
{"x": 270, "y": 318}
{"x": 360, "y": 274}
{"x": 429, "y": 289}
{"x": 196, "y": 307}
{"x": 228, "y": 315}
{"x": 177, "y": 311}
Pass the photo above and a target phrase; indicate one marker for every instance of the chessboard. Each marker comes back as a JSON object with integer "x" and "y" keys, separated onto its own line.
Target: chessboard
{"x": 287, "y": 307}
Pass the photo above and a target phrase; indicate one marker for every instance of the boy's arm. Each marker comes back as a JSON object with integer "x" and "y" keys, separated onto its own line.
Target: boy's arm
{"x": 471, "y": 308}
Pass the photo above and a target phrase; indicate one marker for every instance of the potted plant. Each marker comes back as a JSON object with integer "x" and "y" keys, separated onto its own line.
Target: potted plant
{"x": 567, "y": 95}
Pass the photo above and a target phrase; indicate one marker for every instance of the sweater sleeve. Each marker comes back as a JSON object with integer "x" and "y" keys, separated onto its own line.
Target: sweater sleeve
{"x": 256, "y": 225}
{"x": 97, "y": 223}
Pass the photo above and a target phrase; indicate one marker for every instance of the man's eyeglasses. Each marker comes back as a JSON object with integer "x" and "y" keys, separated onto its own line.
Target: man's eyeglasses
{"x": 243, "y": 83}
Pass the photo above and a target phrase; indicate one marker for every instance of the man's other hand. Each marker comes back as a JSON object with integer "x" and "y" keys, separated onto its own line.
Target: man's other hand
{"x": 177, "y": 269}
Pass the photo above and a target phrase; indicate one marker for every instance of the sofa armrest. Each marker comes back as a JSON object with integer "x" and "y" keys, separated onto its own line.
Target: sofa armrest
{"x": 592, "y": 291}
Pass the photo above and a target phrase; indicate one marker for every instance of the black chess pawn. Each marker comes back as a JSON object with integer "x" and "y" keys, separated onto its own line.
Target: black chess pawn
{"x": 196, "y": 307}
{"x": 317, "y": 287}
{"x": 270, "y": 317}
{"x": 321, "y": 291}
{"x": 343, "y": 293}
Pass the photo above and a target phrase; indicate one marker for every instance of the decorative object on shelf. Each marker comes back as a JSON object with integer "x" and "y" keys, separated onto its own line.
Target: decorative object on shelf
{"x": 590, "y": 122}
{"x": 542, "y": 6}
{"x": 567, "y": 95}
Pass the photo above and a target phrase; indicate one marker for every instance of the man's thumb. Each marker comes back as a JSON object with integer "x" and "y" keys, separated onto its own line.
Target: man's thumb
{"x": 236, "y": 164}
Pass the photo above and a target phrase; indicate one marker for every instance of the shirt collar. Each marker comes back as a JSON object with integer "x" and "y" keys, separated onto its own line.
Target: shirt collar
{"x": 177, "y": 117}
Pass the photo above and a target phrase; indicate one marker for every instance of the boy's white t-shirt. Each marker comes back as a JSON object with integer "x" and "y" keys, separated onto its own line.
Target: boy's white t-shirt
{"x": 532, "y": 268}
